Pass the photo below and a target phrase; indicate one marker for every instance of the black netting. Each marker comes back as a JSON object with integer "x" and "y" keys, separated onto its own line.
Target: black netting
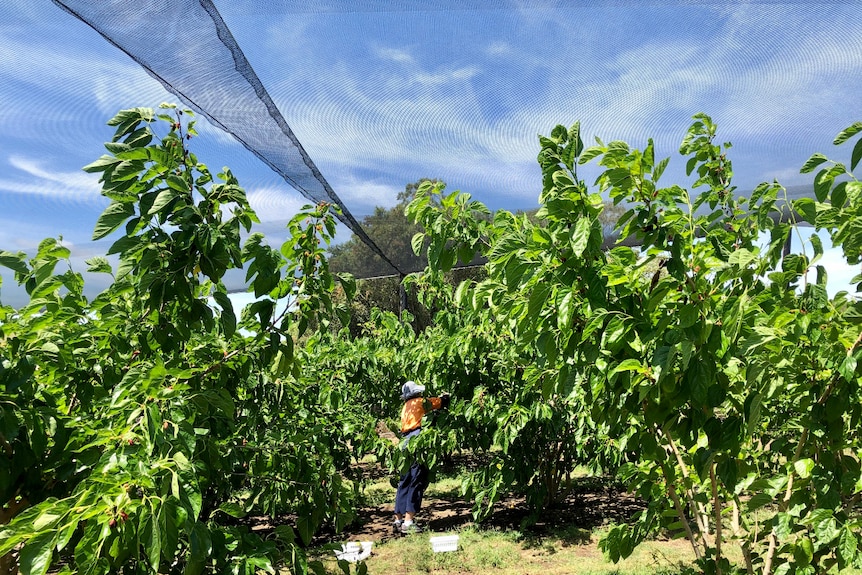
{"x": 186, "y": 45}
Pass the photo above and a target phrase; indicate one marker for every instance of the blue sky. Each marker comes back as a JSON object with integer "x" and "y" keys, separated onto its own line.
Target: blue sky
{"x": 382, "y": 93}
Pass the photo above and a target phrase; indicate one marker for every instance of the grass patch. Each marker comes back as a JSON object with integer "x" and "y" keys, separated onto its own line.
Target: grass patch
{"x": 560, "y": 545}
{"x": 443, "y": 488}
{"x": 510, "y": 552}
{"x": 376, "y": 494}
{"x": 381, "y": 491}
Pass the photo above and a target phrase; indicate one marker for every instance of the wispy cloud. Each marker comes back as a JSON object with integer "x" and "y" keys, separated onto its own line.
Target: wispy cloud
{"x": 440, "y": 78}
{"x": 364, "y": 195}
{"x": 460, "y": 96}
{"x": 79, "y": 74}
{"x": 40, "y": 180}
{"x": 275, "y": 204}
{"x": 498, "y": 48}
{"x": 398, "y": 55}
{"x": 86, "y": 183}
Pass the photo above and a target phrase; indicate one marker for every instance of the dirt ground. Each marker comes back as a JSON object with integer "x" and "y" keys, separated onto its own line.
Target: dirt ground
{"x": 590, "y": 503}
{"x": 585, "y": 511}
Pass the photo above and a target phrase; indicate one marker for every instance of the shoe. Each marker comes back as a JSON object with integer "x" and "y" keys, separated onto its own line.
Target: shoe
{"x": 396, "y": 526}
{"x": 408, "y": 528}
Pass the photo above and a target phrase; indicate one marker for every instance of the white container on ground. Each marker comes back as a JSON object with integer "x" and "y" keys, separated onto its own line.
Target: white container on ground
{"x": 444, "y": 543}
{"x": 355, "y": 550}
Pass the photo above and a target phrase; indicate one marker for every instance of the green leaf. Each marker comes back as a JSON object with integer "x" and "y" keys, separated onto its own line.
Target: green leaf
{"x": 348, "y": 284}
{"x": 163, "y": 198}
{"x": 856, "y": 155}
{"x": 538, "y": 299}
{"x": 758, "y": 500}
{"x": 35, "y": 557}
{"x": 285, "y": 533}
{"x": 139, "y": 138}
{"x": 306, "y": 529}
{"x": 416, "y": 243}
{"x": 200, "y": 547}
{"x": 629, "y": 365}
{"x": 190, "y": 495}
{"x": 847, "y": 133}
{"x": 826, "y": 530}
{"x": 741, "y": 257}
{"x": 812, "y": 162}
{"x": 14, "y": 262}
{"x": 103, "y": 163}
{"x": 565, "y": 314}
{"x": 171, "y": 517}
{"x": 848, "y": 545}
{"x": 807, "y": 208}
{"x": 804, "y": 467}
{"x": 49, "y": 516}
{"x": 590, "y": 153}
{"x": 127, "y": 170}
{"x": 615, "y": 330}
{"x": 594, "y": 323}
{"x": 151, "y": 538}
{"x": 753, "y": 411}
{"x": 848, "y": 369}
{"x": 228, "y": 317}
{"x": 114, "y": 215}
{"x": 659, "y": 169}
{"x": 581, "y": 236}
{"x": 50, "y": 348}
{"x": 804, "y": 551}
{"x": 688, "y": 315}
{"x": 98, "y": 264}
{"x": 823, "y": 185}
{"x": 232, "y": 509}
{"x": 178, "y": 184}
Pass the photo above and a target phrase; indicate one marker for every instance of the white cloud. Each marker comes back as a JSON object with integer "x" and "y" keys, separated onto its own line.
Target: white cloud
{"x": 112, "y": 80}
{"x": 84, "y": 182}
{"x": 383, "y": 118}
{"x": 498, "y": 48}
{"x": 398, "y": 55}
{"x": 363, "y": 196}
{"x": 444, "y": 77}
{"x": 67, "y": 188}
{"x": 274, "y": 204}
{"x": 469, "y": 109}
{"x": 537, "y": 14}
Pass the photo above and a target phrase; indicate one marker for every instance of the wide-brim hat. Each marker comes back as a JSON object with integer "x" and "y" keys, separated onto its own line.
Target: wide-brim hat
{"x": 411, "y": 389}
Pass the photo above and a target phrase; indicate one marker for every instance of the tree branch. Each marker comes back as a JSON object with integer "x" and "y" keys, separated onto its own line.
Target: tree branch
{"x": 767, "y": 561}
{"x": 737, "y": 532}
{"x": 680, "y": 511}
{"x": 716, "y": 509}
{"x": 699, "y": 514}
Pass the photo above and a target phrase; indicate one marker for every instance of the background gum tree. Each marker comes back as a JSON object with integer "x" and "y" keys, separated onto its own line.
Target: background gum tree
{"x": 727, "y": 377}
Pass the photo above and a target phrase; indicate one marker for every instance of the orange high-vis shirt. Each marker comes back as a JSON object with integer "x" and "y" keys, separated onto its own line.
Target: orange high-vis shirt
{"x": 414, "y": 410}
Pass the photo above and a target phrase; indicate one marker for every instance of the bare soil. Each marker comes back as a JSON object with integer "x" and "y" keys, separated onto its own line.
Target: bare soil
{"x": 590, "y": 503}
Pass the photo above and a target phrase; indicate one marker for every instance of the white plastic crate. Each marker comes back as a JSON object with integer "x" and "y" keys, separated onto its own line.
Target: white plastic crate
{"x": 355, "y": 551}
{"x": 444, "y": 543}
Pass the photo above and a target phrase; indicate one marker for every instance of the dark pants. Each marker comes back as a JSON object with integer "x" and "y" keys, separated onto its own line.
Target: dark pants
{"x": 411, "y": 489}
